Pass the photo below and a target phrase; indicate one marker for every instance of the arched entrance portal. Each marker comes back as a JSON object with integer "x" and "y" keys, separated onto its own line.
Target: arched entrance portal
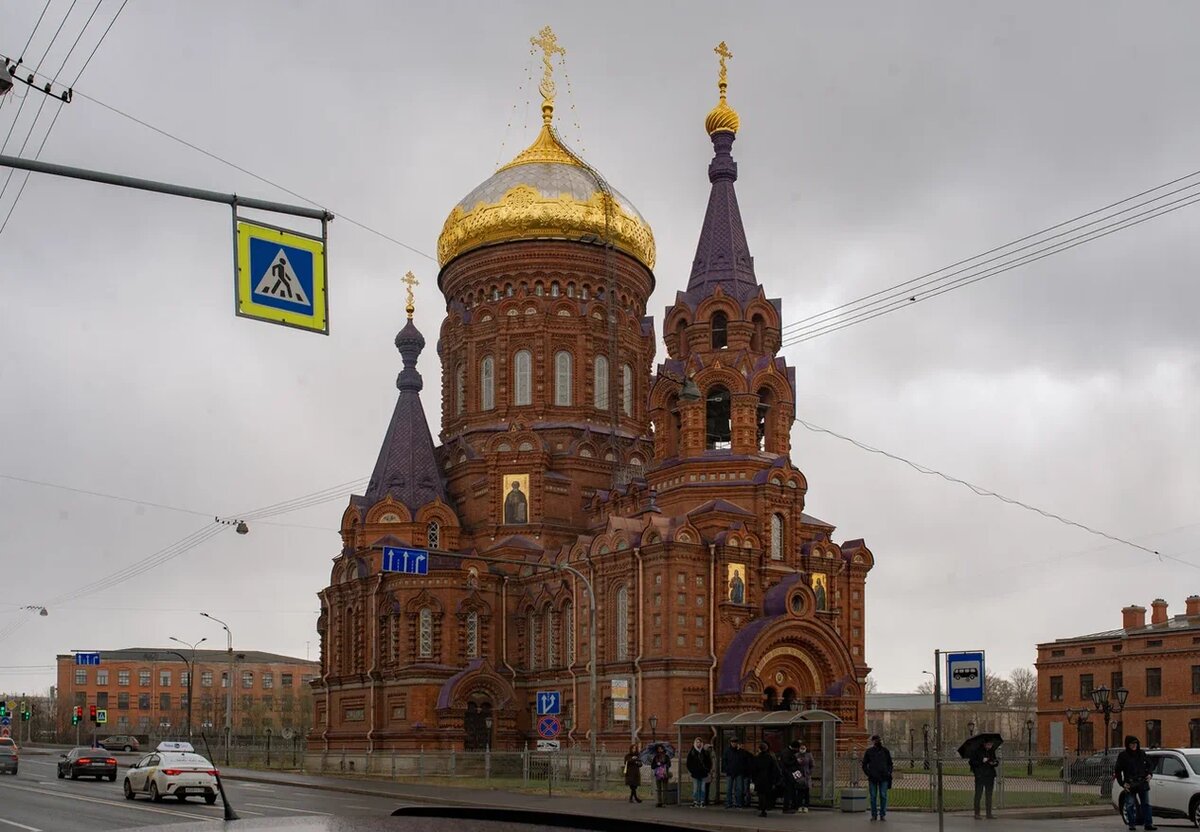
{"x": 477, "y": 725}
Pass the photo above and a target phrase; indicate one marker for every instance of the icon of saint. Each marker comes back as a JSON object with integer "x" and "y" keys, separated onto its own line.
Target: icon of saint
{"x": 819, "y": 591}
{"x": 737, "y": 588}
{"x": 516, "y": 506}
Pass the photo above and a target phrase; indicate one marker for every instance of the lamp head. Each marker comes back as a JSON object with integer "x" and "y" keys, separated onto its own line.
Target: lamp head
{"x": 1100, "y": 697}
{"x": 1122, "y": 694}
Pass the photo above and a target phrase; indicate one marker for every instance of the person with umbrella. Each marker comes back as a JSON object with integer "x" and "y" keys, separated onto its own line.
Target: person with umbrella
{"x": 877, "y": 765}
{"x": 659, "y": 760}
{"x": 983, "y": 762}
{"x": 633, "y": 773}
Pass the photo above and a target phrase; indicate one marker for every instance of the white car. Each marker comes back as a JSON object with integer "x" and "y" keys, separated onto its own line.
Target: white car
{"x": 1174, "y": 785}
{"x": 174, "y": 769}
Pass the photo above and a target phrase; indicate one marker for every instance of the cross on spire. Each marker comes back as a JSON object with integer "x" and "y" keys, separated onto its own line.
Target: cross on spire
{"x": 547, "y": 41}
{"x": 723, "y": 77}
{"x": 411, "y": 281}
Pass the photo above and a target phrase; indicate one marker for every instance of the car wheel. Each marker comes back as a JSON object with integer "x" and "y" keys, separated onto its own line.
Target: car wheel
{"x": 128, "y": 789}
{"x": 128, "y": 748}
{"x": 1194, "y": 811}
{"x": 181, "y": 797}
{"x": 74, "y": 774}
{"x": 60, "y": 774}
{"x": 154, "y": 795}
{"x": 112, "y": 778}
{"x": 210, "y": 799}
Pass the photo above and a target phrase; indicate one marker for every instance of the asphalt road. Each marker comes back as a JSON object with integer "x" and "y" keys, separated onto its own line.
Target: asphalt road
{"x": 37, "y": 801}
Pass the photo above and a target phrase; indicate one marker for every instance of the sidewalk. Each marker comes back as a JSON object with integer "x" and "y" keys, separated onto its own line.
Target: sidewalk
{"x": 715, "y": 818}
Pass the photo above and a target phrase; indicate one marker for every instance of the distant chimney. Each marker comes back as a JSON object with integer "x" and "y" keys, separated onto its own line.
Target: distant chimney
{"x": 1159, "y": 615}
{"x": 1193, "y": 605}
{"x": 1133, "y": 617}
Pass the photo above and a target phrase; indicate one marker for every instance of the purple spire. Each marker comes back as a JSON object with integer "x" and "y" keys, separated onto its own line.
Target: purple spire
{"x": 407, "y": 468}
{"x": 723, "y": 255}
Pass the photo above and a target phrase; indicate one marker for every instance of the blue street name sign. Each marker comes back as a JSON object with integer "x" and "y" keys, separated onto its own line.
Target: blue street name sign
{"x": 87, "y": 658}
{"x": 964, "y": 677}
{"x": 405, "y": 561}
{"x": 549, "y": 702}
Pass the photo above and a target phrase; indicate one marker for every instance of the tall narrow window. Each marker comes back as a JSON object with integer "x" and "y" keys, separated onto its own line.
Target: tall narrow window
{"x": 756, "y": 339}
{"x": 601, "y": 383}
{"x": 460, "y": 390}
{"x": 627, "y": 390}
{"x": 487, "y": 383}
{"x": 622, "y": 628}
{"x": 776, "y": 537}
{"x": 535, "y": 639}
{"x": 433, "y": 535}
{"x": 720, "y": 331}
{"x": 552, "y": 638}
{"x": 425, "y": 633}
{"x": 718, "y": 430}
{"x": 766, "y": 438}
{"x": 562, "y": 379}
{"x": 472, "y": 635}
{"x": 523, "y": 378}
{"x": 569, "y": 632}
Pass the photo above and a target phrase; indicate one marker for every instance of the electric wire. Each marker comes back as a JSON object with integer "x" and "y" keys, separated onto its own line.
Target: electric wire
{"x": 980, "y": 491}
{"x": 25, "y": 48}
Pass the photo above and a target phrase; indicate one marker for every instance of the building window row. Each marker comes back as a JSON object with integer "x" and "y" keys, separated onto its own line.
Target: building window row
{"x": 522, "y": 387}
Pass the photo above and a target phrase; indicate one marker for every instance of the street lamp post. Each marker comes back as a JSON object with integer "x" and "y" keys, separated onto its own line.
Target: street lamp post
{"x": 229, "y": 689}
{"x": 912, "y": 754}
{"x": 971, "y": 728}
{"x": 925, "y": 740}
{"x": 1078, "y": 718}
{"x": 191, "y": 676}
{"x": 1029, "y": 747}
{"x": 1108, "y": 703}
{"x": 653, "y": 729}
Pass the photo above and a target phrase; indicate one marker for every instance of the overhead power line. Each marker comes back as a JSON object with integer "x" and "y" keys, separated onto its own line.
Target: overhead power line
{"x": 986, "y": 492}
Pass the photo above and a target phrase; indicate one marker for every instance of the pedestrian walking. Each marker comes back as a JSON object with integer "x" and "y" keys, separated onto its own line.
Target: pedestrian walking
{"x": 983, "y": 764}
{"x": 877, "y": 765}
{"x": 734, "y": 766}
{"x": 1133, "y": 769}
{"x": 633, "y": 773}
{"x": 660, "y": 764}
{"x": 699, "y": 766}
{"x": 790, "y": 765}
{"x": 767, "y": 776}
{"x": 805, "y": 764}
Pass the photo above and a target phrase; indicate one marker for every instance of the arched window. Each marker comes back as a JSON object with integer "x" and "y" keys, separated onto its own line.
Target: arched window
{"x": 720, "y": 330}
{"x": 601, "y": 383}
{"x": 674, "y": 426}
{"x": 552, "y": 638}
{"x": 569, "y": 632}
{"x": 562, "y": 378}
{"x": 554, "y": 290}
{"x": 347, "y": 641}
{"x": 681, "y": 336}
{"x": 766, "y": 436}
{"x": 472, "y": 635}
{"x": 627, "y": 390}
{"x": 776, "y": 537}
{"x": 756, "y": 338}
{"x": 433, "y": 535}
{"x": 460, "y": 390}
{"x": 487, "y": 383}
{"x": 622, "y": 628}
{"x": 718, "y": 431}
{"x": 535, "y": 639}
{"x": 523, "y": 378}
{"x": 425, "y": 633}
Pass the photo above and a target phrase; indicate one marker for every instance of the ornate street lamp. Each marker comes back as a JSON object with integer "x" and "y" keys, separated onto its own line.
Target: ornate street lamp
{"x": 925, "y": 739}
{"x": 1108, "y": 703}
{"x": 1029, "y": 746}
{"x": 653, "y": 728}
{"x": 1078, "y": 718}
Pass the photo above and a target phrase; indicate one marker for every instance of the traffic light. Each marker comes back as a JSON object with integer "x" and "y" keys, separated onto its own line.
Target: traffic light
{"x": 3, "y": 709}
{"x": 92, "y": 712}
{"x": 76, "y": 715}
{"x": 25, "y": 713}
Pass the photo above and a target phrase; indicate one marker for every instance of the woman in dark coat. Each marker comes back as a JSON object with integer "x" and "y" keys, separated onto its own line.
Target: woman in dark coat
{"x": 766, "y": 775}
{"x": 633, "y": 773}
{"x": 660, "y": 765}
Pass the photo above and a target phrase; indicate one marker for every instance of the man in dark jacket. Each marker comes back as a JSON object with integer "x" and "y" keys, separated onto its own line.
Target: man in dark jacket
{"x": 790, "y": 764}
{"x": 734, "y": 768}
{"x": 766, "y": 774}
{"x": 747, "y": 758}
{"x": 983, "y": 762}
{"x": 877, "y": 765}
{"x": 1132, "y": 771}
{"x": 699, "y": 765}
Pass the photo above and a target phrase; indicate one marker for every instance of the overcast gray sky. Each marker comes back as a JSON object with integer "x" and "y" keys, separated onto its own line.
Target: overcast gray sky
{"x": 878, "y": 142}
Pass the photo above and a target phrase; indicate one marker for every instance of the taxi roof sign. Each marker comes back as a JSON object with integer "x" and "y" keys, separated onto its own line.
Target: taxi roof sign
{"x": 171, "y": 745}
{"x": 280, "y": 276}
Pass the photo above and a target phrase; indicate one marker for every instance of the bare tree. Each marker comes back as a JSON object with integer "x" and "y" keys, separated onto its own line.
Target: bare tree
{"x": 1024, "y": 687}
{"x": 872, "y": 685}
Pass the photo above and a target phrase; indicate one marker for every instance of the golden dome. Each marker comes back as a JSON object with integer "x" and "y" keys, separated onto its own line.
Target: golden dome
{"x": 722, "y": 117}
{"x": 545, "y": 192}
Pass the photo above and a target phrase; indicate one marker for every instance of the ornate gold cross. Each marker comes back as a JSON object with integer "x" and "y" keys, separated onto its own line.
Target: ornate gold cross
{"x": 547, "y": 41}
{"x": 411, "y": 281}
{"x": 722, "y": 79}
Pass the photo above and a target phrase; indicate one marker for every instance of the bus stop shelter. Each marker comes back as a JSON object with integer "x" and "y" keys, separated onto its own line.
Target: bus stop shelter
{"x": 815, "y": 728}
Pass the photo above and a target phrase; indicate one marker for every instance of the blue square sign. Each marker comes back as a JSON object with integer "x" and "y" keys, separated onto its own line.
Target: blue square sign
{"x": 965, "y": 677}
{"x": 549, "y": 702}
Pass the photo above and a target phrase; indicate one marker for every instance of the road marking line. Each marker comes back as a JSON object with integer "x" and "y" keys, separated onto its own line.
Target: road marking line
{"x": 355, "y": 806}
{"x": 20, "y": 825}
{"x": 129, "y": 804}
{"x": 289, "y": 809}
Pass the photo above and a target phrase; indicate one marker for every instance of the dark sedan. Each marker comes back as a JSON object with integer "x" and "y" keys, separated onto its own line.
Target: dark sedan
{"x": 8, "y": 759}
{"x": 87, "y": 762}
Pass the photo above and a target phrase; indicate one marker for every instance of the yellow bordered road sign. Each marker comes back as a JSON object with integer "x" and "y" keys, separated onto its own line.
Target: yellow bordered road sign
{"x": 281, "y": 277}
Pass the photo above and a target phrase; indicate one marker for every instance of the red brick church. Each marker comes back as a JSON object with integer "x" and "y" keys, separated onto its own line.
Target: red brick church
{"x": 670, "y": 487}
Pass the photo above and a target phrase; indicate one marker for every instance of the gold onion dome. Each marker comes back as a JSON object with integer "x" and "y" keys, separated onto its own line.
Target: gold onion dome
{"x": 722, "y": 117}
{"x": 546, "y": 192}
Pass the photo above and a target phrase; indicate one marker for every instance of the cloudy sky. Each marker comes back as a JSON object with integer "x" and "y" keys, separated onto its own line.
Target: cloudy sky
{"x": 879, "y": 142}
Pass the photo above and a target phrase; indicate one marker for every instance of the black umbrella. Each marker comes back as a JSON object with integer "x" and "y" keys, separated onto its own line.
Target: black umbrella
{"x": 971, "y": 743}
{"x": 648, "y": 752}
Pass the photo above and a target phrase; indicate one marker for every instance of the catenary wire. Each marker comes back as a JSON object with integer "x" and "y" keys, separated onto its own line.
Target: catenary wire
{"x": 45, "y": 8}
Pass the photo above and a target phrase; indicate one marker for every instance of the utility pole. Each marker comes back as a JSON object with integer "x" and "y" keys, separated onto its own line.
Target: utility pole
{"x": 191, "y": 677}
{"x": 228, "y": 690}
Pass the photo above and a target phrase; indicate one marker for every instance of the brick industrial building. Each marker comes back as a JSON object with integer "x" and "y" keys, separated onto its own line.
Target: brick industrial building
{"x": 672, "y": 488}
{"x": 1157, "y": 662}
{"x": 145, "y": 691}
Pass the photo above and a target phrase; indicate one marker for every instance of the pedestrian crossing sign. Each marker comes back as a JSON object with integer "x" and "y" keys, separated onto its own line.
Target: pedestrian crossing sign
{"x": 281, "y": 277}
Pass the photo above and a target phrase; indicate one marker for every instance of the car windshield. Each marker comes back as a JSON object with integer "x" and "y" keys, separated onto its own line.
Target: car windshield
{"x": 1194, "y": 762}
